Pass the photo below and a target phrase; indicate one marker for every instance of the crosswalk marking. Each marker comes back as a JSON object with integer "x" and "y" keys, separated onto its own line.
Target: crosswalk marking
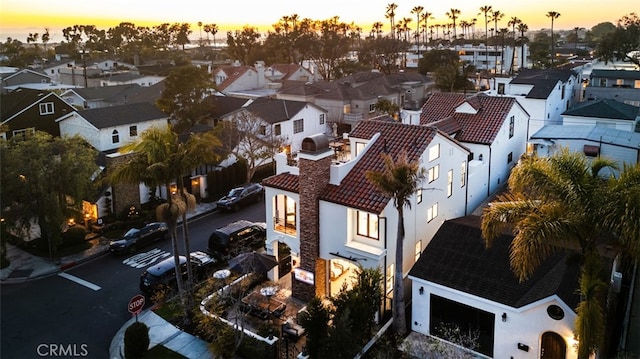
{"x": 144, "y": 259}
{"x": 79, "y": 281}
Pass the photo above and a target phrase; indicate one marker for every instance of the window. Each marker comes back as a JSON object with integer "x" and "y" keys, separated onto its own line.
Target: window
{"x": 434, "y": 173}
{"x": 510, "y": 157}
{"x": 463, "y": 174}
{"x": 419, "y": 196}
{"x": 449, "y": 183}
{"x": 115, "y": 138}
{"x": 432, "y": 212}
{"x": 619, "y": 82}
{"x": 500, "y": 89}
{"x": 285, "y": 215}
{"x": 46, "y": 108}
{"x": 23, "y": 133}
{"x": 367, "y": 224}
{"x": 262, "y": 130}
{"x": 418, "y": 250}
{"x": 562, "y": 92}
{"x": 322, "y": 119}
{"x": 636, "y": 84}
{"x": 359, "y": 148}
{"x": 277, "y": 130}
{"x": 512, "y": 122}
{"x": 372, "y": 107}
{"x": 298, "y": 126}
{"x": 390, "y": 274}
{"x": 133, "y": 131}
{"x": 434, "y": 152}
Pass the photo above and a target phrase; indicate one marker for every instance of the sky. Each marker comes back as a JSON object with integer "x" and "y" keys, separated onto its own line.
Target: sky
{"x": 18, "y": 18}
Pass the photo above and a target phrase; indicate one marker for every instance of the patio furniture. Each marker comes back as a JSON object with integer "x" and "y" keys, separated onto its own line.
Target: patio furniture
{"x": 292, "y": 329}
{"x": 262, "y": 307}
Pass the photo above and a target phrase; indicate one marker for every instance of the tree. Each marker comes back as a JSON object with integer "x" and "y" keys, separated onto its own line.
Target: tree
{"x": 46, "y": 179}
{"x": 185, "y": 96}
{"x": 181, "y": 34}
{"x": 522, "y": 40}
{"x": 213, "y": 30}
{"x": 563, "y": 202}
{"x": 391, "y": 15}
{"x": 486, "y": 10}
{"x": 381, "y": 53}
{"x": 553, "y": 15}
{"x": 495, "y": 17}
{"x": 623, "y": 43}
{"x": 418, "y": 11}
{"x": 160, "y": 158}
{"x": 15, "y": 52}
{"x": 399, "y": 180}
{"x": 387, "y": 107}
{"x": 241, "y": 44}
{"x": 513, "y": 23}
{"x": 329, "y": 45}
{"x": 453, "y": 15}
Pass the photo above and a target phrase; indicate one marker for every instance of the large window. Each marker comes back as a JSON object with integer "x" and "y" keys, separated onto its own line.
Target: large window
{"x": 433, "y": 173}
{"x": 390, "y": 276}
{"x": 46, "y": 108}
{"x": 298, "y": 126}
{"x": 284, "y": 220}
{"x": 432, "y": 212}
{"x": 277, "y": 130}
{"x": 367, "y": 224}
{"x": 434, "y": 152}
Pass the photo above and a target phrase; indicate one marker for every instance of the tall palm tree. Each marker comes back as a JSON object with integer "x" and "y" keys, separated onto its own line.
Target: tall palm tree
{"x": 399, "y": 180}
{"x": 426, "y": 16}
{"x": 576, "y": 29}
{"x": 553, "y": 15}
{"x": 486, "y": 10}
{"x": 453, "y": 15}
{"x": 513, "y": 23}
{"x": 523, "y": 28}
{"x": 561, "y": 202}
{"x": 495, "y": 17}
{"x": 376, "y": 28}
{"x": 391, "y": 14}
{"x": 417, "y": 10}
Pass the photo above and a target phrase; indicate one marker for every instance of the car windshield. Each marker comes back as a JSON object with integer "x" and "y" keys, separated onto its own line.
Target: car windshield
{"x": 235, "y": 192}
{"x": 133, "y": 232}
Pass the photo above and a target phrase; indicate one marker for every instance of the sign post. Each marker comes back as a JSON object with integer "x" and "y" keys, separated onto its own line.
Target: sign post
{"x": 136, "y": 304}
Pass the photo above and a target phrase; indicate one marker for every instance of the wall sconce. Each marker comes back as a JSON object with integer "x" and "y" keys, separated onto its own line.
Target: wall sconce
{"x": 421, "y": 290}
{"x": 504, "y": 317}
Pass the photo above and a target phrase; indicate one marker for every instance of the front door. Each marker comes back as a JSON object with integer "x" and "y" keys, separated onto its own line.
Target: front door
{"x": 553, "y": 346}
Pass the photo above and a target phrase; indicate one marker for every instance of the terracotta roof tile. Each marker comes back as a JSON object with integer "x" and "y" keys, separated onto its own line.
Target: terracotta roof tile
{"x": 283, "y": 181}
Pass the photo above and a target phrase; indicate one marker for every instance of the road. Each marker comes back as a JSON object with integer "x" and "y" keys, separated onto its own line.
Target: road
{"x": 77, "y": 313}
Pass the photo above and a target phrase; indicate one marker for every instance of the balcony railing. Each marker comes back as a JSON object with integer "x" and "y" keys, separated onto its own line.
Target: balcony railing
{"x": 283, "y": 226}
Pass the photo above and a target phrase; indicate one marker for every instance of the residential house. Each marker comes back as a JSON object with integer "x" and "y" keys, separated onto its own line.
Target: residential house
{"x": 619, "y": 85}
{"x": 109, "y": 128}
{"x": 235, "y": 78}
{"x": 25, "y": 110}
{"x": 52, "y": 69}
{"x": 332, "y": 219}
{"x": 458, "y": 281}
{"x": 23, "y": 78}
{"x": 544, "y": 94}
{"x": 603, "y": 112}
{"x": 125, "y": 78}
{"x": 104, "y": 96}
{"x": 288, "y": 72}
{"x": 493, "y": 128}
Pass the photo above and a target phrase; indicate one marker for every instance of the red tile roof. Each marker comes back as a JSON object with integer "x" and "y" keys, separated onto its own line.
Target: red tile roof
{"x": 232, "y": 72}
{"x": 481, "y": 127}
{"x": 284, "y": 181}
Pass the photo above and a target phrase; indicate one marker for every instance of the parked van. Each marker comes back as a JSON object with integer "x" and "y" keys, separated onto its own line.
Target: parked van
{"x": 236, "y": 237}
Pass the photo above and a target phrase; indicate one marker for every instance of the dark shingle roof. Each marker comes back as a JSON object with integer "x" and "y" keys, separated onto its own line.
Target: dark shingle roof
{"x": 17, "y": 100}
{"x": 543, "y": 81}
{"x": 480, "y": 127}
{"x": 604, "y": 108}
{"x": 618, "y": 74}
{"x": 457, "y": 258}
{"x": 122, "y": 115}
{"x": 274, "y": 111}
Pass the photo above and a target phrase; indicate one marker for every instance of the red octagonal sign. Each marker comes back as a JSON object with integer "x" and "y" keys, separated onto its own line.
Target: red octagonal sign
{"x": 135, "y": 304}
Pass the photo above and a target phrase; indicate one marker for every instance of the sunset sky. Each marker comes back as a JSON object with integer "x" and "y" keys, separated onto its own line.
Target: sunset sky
{"x": 21, "y": 17}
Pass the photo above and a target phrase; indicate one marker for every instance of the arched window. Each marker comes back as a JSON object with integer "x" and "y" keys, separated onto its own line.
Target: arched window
{"x": 115, "y": 137}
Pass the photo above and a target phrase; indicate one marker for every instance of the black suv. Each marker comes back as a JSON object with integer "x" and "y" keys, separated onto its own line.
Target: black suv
{"x": 163, "y": 275}
{"x": 237, "y": 237}
{"x": 135, "y": 238}
{"x": 241, "y": 196}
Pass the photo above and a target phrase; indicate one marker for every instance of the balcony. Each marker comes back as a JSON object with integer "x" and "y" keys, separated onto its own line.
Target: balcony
{"x": 286, "y": 226}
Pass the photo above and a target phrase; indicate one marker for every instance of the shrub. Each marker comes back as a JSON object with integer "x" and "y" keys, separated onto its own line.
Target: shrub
{"x": 136, "y": 340}
{"x": 73, "y": 235}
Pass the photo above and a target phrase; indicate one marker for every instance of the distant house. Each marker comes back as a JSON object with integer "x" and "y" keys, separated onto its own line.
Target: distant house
{"x": 288, "y": 72}
{"x": 104, "y": 96}
{"x": 22, "y": 78}
{"x": 25, "y": 111}
{"x": 237, "y": 77}
{"x": 457, "y": 281}
{"x": 619, "y": 85}
{"x": 603, "y": 112}
{"x": 493, "y": 128}
{"x": 109, "y": 128}
{"x": 125, "y": 78}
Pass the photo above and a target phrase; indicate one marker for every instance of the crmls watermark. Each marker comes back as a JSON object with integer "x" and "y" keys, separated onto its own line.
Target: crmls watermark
{"x": 62, "y": 350}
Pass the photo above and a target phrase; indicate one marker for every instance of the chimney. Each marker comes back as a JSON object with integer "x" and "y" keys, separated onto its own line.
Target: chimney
{"x": 259, "y": 65}
{"x": 314, "y": 162}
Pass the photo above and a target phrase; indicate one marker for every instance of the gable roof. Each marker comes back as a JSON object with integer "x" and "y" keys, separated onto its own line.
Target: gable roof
{"x": 287, "y": 70}
{"x": 479, "y": 127}
{"x": 274, "y": 111}
{"x": 122, "y": 115}
{"x": 457, "y": 258}
{"x": 225, "y": 104}
{"x": 355, "y": 190}
{"x": 604, "y": 108}
{"x": 232, "y": 72}
{"x": 17, "y": 101}
{"x": 25, "y": 71}
{"x": 543, "y": 81}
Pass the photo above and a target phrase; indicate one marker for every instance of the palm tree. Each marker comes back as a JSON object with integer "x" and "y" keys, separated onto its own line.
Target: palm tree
{"x": 399, "y": 180}
{"x": 576, "y": 29}
{"x": 495, "y": 17}
{"x": 561, "y": 202}
{"x": 159, "y": 158}
{"x": 376, "y": 28}
{"x": 553, "y": 15}
{"x": 513, "y": 23}
{"x": 391, "y": 14}
{"x": 417, "y": 10}
{"x": 523, "y": 28}
{"x": 486, "y": 10}
{"x": 426, "y": 16}
{"x": 453, "y": 15}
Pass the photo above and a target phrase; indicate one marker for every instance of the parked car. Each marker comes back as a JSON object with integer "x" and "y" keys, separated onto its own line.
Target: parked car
{"x": 236, "y": 237}
{"x": 241, "y": 196}
{"x": 162, "y": 276}
{"x": 136, "y": 238}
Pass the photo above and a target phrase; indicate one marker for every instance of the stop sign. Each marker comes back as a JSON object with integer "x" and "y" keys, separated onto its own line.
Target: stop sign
{"x": 135, "y": 304}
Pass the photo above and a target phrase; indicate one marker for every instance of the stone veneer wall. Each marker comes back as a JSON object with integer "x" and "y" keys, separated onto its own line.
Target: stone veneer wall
{"x": 123, "y": 194}
{"x": 313, "y": 178}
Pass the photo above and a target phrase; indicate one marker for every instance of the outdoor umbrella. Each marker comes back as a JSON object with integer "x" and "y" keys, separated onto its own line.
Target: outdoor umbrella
{"x": 252, "y": 262}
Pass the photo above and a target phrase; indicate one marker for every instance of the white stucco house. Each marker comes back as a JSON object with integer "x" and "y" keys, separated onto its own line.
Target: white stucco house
{"x": 458, "y": 282}
{"x": 109, "y": 128}
{"x": 333, "y": 219}
{"x": 494, "y": 129}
